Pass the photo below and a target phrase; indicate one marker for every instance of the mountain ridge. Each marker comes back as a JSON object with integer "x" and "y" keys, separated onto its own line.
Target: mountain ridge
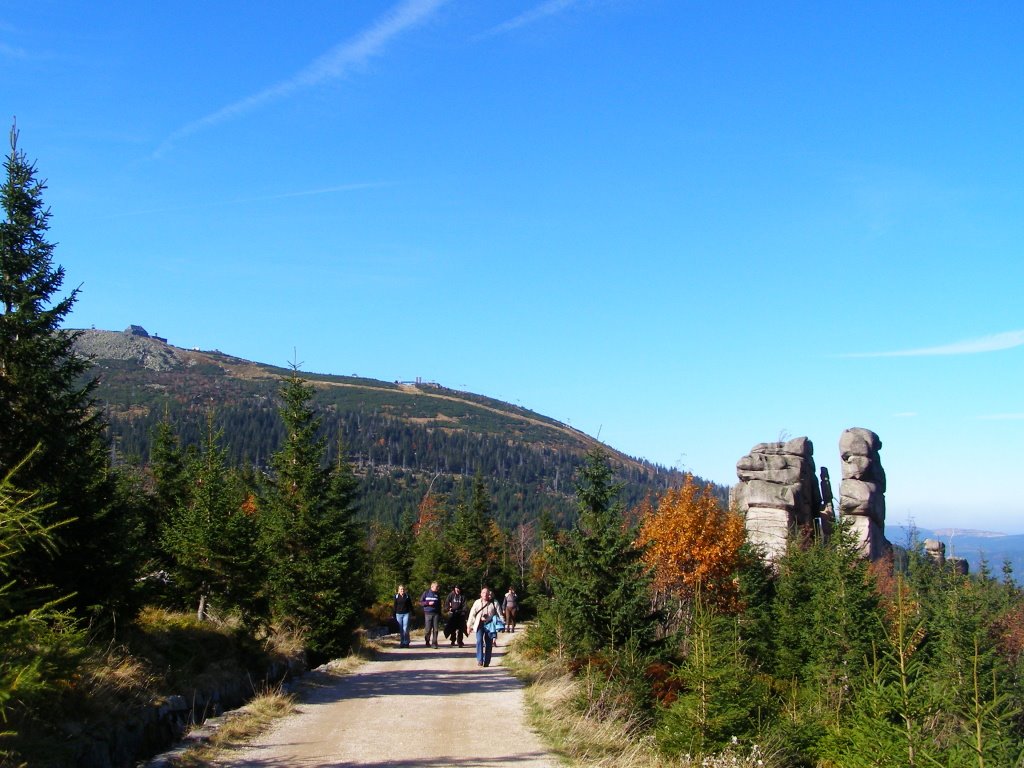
{"x": 398, "y": 434}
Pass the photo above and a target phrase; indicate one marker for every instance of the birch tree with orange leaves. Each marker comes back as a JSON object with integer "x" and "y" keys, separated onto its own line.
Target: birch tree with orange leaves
{"x": 692, "y": 544}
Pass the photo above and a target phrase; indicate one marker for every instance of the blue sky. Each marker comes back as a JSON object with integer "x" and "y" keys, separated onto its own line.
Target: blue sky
{"x": 684, "y": 227}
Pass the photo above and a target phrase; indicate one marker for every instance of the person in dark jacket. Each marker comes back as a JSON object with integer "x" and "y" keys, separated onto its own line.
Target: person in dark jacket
{"x": 402, "y": 612}
{"x": 431, "y": 603}
{"x": 455, "y": 605}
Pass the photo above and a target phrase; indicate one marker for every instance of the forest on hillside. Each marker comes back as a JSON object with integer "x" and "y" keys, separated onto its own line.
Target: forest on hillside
{"x": 399, "y": 443}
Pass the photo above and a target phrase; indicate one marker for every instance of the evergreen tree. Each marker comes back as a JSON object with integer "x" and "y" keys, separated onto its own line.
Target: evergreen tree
{"x": 40, "y": 643}
{"x": 826, "y": 626}
{"x": 891, "y": 710}
{"x": 598, "y": 577}
{"x": 315, "y": 550}
{"x": 167, "y": 462}
{"x": 433, "y": 558}
{"x": 42, "y": 402}
{"x": 342, "y": 549}
{"x": 826, "y": 613}
{"x": 392, "y": 556}
{"x": 472, "y": 540}
{"x": 720, "y": 699}
{"x": 212, "y": 537}
{"x": 972, "y": 681}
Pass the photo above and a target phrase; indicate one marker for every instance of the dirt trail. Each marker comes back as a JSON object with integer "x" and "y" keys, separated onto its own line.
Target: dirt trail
{"x": 411, "y": 707}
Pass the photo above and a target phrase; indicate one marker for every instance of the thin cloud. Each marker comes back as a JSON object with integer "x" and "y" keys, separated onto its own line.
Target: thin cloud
{"x": 10, "y": 52}
{"x": 310, "y": 192}
{"x": 994, "y": 343}
{"x": 542, "y": 11}
{"x": 262, "y": 199}
{"x": 333, "y": 65}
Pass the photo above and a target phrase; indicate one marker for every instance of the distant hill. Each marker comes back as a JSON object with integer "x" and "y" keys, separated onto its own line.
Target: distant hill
{"x": 402, "y": 437}
{"x": 975, "y": 546}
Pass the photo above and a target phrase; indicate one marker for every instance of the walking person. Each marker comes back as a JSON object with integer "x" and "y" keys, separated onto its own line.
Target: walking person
{"x": 483, "y": 610}
{"x": 511, "y": 609}
{"x": 402, "y": 612}
{"x": 431, "y": 603}
{"x": 455, "y": 605}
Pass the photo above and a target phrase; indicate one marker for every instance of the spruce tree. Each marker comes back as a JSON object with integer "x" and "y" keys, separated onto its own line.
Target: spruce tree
{"x": 471, "y": 539}
{"x": 826, "y": 613}
{"x": 167, "y": 462}
{"x": 720, "y": 697}
{"x": 342, "y": 546}
{"x": 392, "y": 556}
{"x": 39, "y": 641}
{"x": 44, "y": 403}
{"x": 598, "y": 579}
{"x": 433, "y": 558}
{"x": 212, "y": 536}
{"x": 315, "y": 552}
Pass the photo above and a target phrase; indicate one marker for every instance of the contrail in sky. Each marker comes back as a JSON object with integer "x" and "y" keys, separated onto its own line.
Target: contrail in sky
{"x": 12, "y": 52}
{"x": 332, "y": 65}
{"x": 354, "y": 187}
{"x": 550, "y": 8}
{"x": 995, "y": 343}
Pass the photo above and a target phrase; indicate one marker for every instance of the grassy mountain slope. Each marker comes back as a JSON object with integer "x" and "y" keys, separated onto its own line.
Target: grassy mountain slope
{"x": 402, "y": 437}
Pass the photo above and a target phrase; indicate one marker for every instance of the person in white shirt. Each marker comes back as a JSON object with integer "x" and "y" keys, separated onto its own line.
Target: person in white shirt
{"x": 483, "y": 610}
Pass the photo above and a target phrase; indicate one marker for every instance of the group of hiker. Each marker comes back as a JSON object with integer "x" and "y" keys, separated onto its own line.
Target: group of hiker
{"x": 484, "y": 619}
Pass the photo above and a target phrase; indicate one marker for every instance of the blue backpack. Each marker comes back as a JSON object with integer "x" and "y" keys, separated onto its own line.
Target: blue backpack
{"x": 494, "y": 626}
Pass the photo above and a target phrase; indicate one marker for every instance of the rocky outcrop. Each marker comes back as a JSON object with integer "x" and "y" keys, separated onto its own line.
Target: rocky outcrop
{"x": 936, "y": 551}
{"x": 133, "y": 344}
{"x": 778, "y": 492}
{"x": 862, "y": 492}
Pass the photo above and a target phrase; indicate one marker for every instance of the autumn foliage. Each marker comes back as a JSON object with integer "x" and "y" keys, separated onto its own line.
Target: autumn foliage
{"x": 430, "y": 518}
{"x": 692, "y": 543}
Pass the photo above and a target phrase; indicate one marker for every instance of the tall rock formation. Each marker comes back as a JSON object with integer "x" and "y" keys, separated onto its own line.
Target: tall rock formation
{"x": 778, "y": 492}
{"x": 862, "y": 492}
{"x": 936, "y": 550}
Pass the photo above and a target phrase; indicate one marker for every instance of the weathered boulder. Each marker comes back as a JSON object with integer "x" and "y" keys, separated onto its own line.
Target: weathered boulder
{"x": 858, "y": 449}
{"x": 777, "y": 493}
{"x": 935, "y": 550}
{"x": 860, "y": 497}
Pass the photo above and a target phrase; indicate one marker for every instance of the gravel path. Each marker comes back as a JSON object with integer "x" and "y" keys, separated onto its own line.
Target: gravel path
{"x": 411, "y": 707}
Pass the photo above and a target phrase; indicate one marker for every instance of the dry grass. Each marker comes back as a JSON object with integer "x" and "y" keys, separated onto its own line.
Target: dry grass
{"x": 258, "y": 715}
{"x": 286, "y": 642}
{"x": 605, "y": 739}
{"x": 237, "y": 728}
{"x": 117, "y": 675}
